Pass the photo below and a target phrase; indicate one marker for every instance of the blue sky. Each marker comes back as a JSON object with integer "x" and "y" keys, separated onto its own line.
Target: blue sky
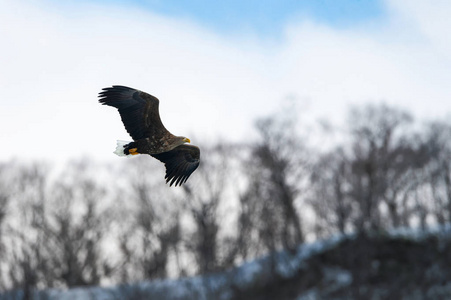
{"x": 215, "y": 68}
{"x": 265, "y": 17}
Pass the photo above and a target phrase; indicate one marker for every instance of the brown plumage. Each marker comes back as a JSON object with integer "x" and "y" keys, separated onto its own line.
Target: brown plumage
{"x": 140, "y": 115}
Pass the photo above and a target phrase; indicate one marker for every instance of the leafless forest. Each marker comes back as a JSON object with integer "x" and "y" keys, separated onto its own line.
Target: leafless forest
{"x": 87, "y": 223}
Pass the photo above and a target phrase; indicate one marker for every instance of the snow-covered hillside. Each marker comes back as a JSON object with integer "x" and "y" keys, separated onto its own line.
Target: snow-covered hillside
{"x": 405, "y": 264}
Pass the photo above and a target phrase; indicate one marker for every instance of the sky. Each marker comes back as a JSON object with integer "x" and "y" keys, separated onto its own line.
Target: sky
{"x": 216, "y": 66}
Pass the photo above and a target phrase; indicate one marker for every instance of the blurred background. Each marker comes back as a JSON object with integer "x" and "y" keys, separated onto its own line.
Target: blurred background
{"x": 314, "y": 118}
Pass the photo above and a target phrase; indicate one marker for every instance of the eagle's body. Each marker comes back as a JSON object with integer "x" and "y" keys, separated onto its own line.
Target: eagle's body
{"x": 140, "y": 115}
{"x": 156, "y": 146}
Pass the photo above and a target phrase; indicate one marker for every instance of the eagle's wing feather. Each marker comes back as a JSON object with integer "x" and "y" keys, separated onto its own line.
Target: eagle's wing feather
{"x": 180, "y": 163}
{"x": 139, "y": 111}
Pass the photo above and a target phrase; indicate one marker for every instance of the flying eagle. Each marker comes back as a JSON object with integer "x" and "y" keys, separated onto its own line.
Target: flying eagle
{"x": 141, "y": 118}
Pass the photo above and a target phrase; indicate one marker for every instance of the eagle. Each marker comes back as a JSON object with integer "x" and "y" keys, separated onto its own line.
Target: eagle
{"x": 140, "y": 115}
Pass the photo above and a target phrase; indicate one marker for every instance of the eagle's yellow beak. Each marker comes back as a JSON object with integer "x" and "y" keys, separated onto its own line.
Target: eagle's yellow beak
{"x": 186, "y": 140}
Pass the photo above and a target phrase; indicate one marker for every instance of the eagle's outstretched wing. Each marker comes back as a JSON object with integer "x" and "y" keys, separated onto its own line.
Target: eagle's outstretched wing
{"x": 139, "y": 111}
{"x": 180, "y": 163}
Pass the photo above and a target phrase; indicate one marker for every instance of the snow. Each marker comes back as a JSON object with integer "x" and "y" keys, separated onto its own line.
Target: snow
{"x": 440, "y": 231}
{"x": 310, "y": 295}
{"x": 288, "y": 264}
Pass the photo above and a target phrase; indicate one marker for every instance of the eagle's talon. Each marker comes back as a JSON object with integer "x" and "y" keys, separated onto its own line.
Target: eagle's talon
{"x": 132, "y": 151}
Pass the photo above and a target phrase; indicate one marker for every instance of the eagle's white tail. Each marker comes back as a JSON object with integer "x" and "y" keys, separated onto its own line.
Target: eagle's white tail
{"x": 120, "y": 148}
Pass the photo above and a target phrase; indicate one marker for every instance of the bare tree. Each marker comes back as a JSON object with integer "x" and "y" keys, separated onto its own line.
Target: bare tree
{"x": 76, "y": 238}
{"x": 438, "y": 171}
{"x": 329, "y": 196}
{"x": 58, "y": 239}
{"x": 149, "y": 225}
{"x": 276, "y": 169}
{"x": 27, "y": 190}
{"x": 374, "y": 180}
{"x": 382, "y": 161}
{"x": 204, "y": 199}
{"x": 4, "y": 199}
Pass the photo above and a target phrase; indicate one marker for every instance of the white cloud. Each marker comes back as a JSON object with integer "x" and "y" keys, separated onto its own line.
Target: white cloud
{"x": 428, "y": 18}
{"x": 392, "y": 61}
{"x": 54, "y": 62}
